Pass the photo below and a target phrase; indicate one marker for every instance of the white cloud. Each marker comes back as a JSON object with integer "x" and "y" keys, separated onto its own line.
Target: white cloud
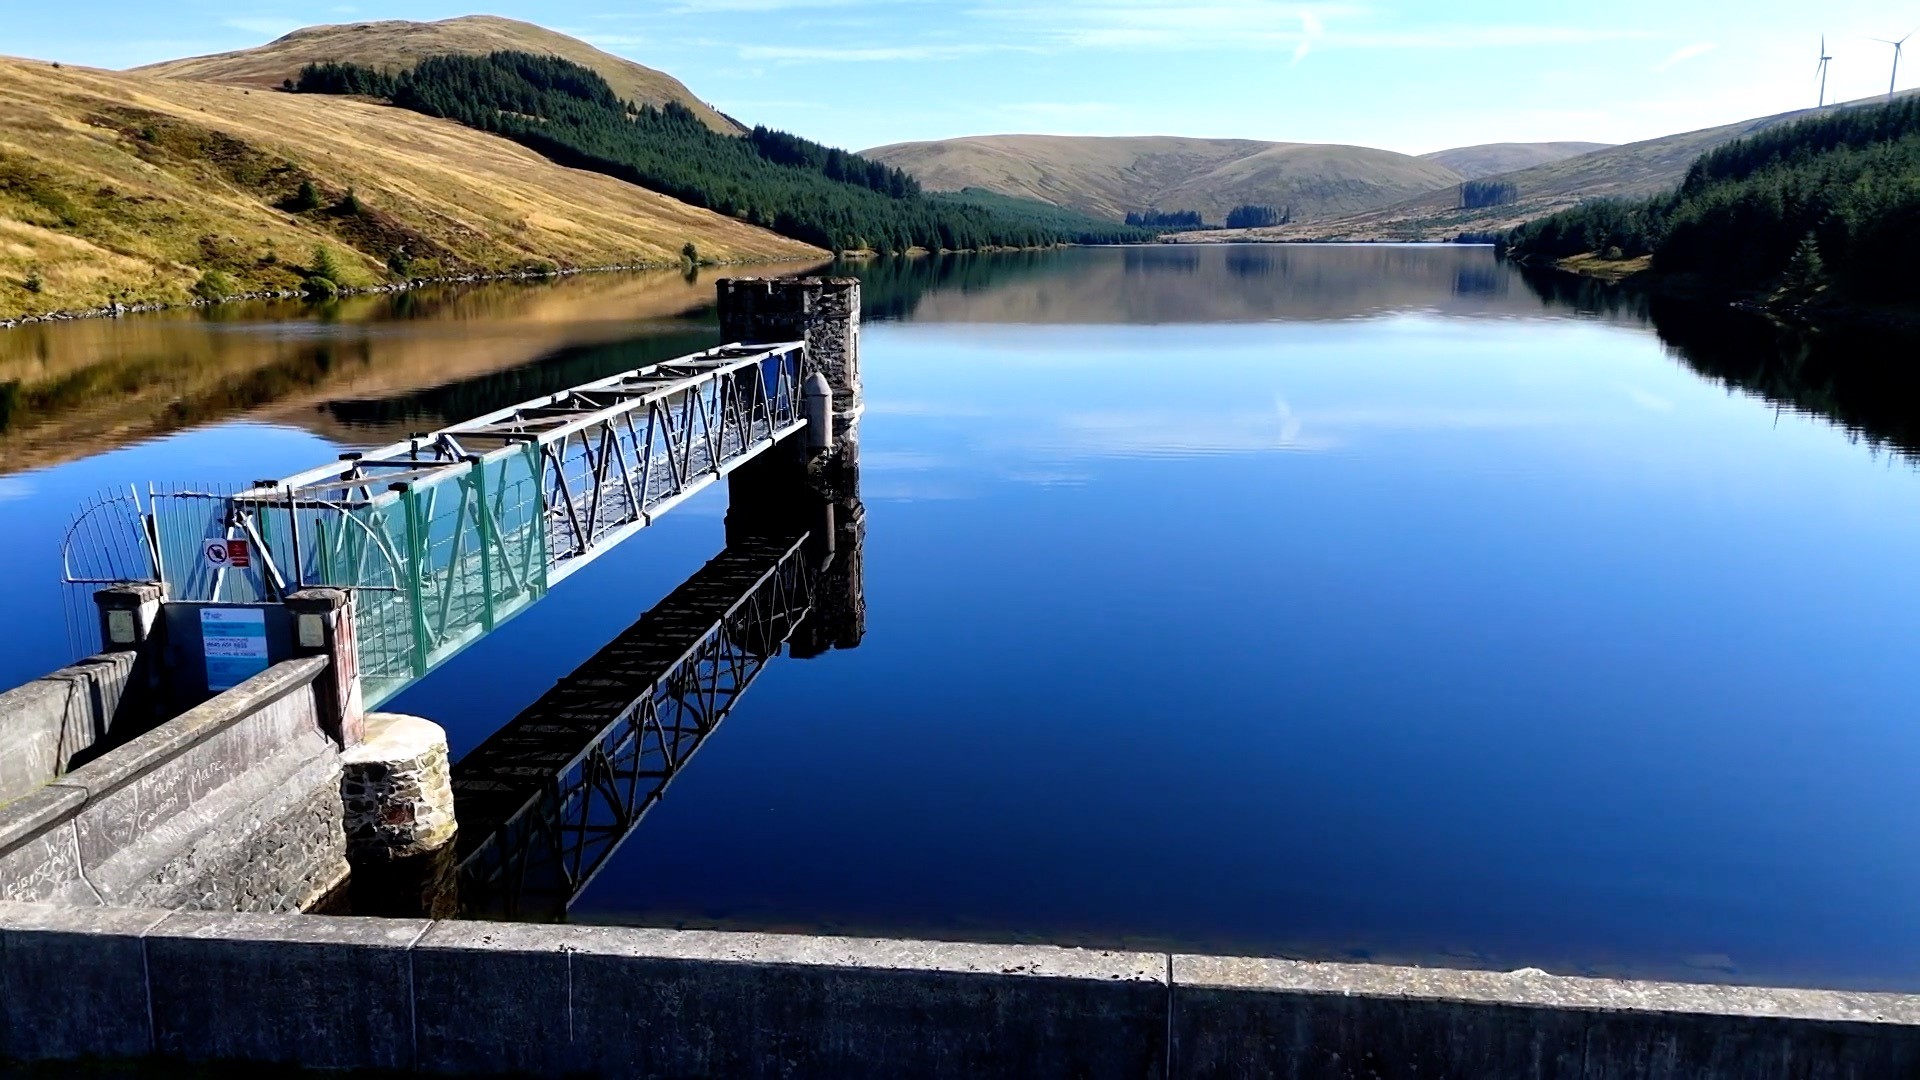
{"x": 1310, "y": 28}
{"x": 1686, "y": 53}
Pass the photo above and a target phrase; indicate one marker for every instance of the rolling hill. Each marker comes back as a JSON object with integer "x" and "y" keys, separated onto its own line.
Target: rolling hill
{"x": 122, "y": 187}
{"x": 1632, "y": 170}
{"x": 1492, "y": 159}
{"x": 1109, "y": 177}
{"x": 396, "y": 44}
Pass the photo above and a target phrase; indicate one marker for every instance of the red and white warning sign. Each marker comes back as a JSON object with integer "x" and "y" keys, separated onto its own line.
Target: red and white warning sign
{"x": 227, "y": 554}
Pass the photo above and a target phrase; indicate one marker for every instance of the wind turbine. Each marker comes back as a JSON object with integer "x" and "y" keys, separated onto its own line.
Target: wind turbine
{"x": 1897, "y": 46}
{"x": 1822, "y": 70}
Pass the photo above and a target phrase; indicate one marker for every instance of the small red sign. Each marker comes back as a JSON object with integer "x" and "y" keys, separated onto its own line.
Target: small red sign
{"x": 237, "y": 555}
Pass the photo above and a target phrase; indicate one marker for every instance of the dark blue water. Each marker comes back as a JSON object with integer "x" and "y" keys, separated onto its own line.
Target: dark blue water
{"x": 1330, "y": 602}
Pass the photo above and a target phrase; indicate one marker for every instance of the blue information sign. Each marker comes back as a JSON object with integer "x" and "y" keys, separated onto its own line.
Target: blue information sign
{"x": 235, "y": 643}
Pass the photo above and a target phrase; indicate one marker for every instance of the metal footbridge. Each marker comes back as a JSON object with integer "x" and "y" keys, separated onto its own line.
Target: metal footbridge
{"x": 446, "y": 535}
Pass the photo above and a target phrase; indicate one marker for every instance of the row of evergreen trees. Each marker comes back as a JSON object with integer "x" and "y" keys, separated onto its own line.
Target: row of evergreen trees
{"x": 1257, "y": 217}
{"x": 1165, "y": 219}
{"x": 1072, "y": 226}
{"x": 790, "y": 185}
{"x": 1480, "y": 194}
{"x": 1829, "y": 200}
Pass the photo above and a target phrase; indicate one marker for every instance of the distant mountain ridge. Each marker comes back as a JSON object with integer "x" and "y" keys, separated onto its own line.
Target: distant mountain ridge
{"x": 1112, "y": 176}
{"x": 1492, "y": 159}
{"x": 1633, "y": 170}
{"x": 396, "y": 44}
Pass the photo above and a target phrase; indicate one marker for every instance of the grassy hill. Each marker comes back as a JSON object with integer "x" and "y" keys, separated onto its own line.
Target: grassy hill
{"x": 1634, "y": 170}
{"x": 123, "y": 187}
{"x": 395, "y": 45}
{"x": 1493, "y": 159}
{"x": 1824, "y": 210}
{"x": 1108, "y": 177}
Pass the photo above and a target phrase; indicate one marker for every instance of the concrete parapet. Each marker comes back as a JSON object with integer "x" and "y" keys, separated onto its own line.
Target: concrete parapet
{"x": 322, "y": 992}
{"x": 56, "y": 722}
{"x": 1236, "y": 1017}
{"x": 233, "y": 805}
{"x": 397, "y": 788}
{"x": 484, "y": 998}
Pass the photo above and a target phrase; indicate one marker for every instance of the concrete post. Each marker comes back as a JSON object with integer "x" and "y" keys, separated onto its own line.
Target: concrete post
{"x": 128, "y": 613}
{"x": 323, "y": 626}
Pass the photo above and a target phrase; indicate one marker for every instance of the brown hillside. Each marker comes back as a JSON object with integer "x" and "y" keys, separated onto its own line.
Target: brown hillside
{"x": 121, "y": 187}
{"x": 1629, "y": 171}
{"x": 1492, "y": 159}
{"x": 1108, "y": 177}
{"x": 396, "y": 45}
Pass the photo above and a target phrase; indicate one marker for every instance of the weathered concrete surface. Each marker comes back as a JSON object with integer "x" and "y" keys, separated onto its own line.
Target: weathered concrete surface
{"x": 1234, "y": 1017}
{"x": 48, "y": 725}
{"x": 478, "y": 998}
{"x": 233, "y": 805}
{"x": 397, "y": 789}
{"x": 73, "y": 983}
{"x": 323, "y": 992}
{"x": 689, "y": 1003}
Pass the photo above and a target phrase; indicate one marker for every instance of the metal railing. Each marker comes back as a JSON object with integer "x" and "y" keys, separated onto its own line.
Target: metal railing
{"x": 448, "y": 534}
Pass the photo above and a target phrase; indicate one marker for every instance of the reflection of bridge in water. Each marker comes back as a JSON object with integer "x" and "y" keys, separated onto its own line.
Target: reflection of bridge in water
{"x": 545, "y": 801}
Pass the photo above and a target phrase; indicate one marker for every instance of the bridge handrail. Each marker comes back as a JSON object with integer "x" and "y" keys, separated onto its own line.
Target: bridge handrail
{"x": 405, "y": 457}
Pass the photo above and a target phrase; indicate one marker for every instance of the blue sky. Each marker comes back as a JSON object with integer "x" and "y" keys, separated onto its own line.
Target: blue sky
{"x": 1406, "y": 76}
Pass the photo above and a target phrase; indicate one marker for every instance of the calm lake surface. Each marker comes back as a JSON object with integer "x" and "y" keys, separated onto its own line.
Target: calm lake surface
{"x": 1354, "y": 602}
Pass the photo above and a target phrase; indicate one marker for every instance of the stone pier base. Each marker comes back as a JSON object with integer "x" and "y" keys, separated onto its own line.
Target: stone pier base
{"x": 397, "y": 789}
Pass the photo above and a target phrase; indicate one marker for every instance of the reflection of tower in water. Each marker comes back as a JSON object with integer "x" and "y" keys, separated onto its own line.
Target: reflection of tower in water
{"x": 810, "y": 485}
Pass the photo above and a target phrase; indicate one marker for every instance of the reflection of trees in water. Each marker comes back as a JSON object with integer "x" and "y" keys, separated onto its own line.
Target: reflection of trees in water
{"x": 1588, "y": 296}
{"x": 1162, "y": 260}
{"x": 438, "y": 406}
{"x": 1480, "y": 281}
{"x": 98, "y": 389}
{"x": 891, "y": 288}
{"x": 1859, "y": 378}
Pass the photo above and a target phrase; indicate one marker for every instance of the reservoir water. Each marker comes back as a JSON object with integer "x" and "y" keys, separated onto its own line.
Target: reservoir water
{"x": 1367, "y": 602}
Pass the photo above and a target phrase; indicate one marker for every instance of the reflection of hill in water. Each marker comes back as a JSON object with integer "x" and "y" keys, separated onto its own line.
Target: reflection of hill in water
{"x": 73, "y": 388}
{"x": 1195, "y": 284}
{"x": 1860, "y": 379}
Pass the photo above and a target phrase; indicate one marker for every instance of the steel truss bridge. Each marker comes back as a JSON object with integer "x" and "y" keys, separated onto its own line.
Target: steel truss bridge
{"x": 448, "y": 534}
{"x": 545, "y": 801}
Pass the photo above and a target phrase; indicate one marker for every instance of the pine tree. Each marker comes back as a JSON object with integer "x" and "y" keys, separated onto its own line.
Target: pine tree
{"x": 1806, "y": 271}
